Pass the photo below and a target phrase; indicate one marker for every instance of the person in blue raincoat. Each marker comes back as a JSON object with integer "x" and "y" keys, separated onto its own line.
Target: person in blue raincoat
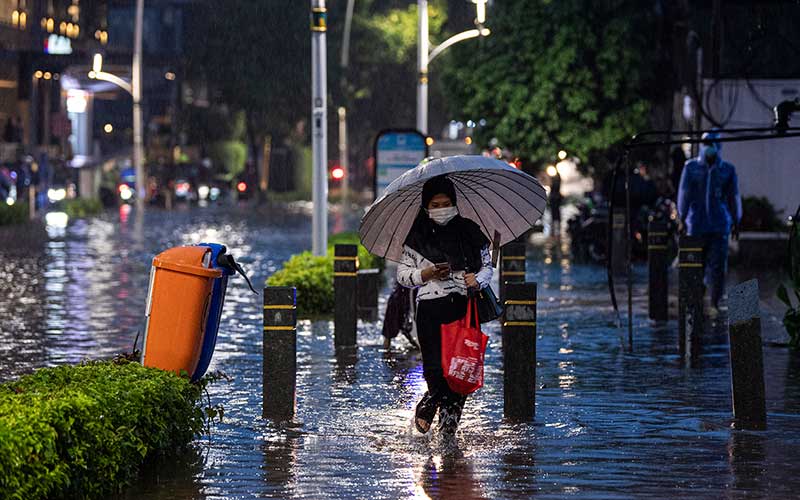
{"x": 710, "y": 208}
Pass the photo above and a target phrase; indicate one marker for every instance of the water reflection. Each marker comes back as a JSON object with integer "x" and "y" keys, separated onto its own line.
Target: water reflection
{"x": 280, "y": 456}
{"x": 449, "y": 475}
{"x": 791, "y": 395}
{"x": 609, "y": 423}
{"x": 173, "y": 478}
{"x": 746, "y": 457}
{"x": 22, "y": 315}
{"x": 344, "y": 371}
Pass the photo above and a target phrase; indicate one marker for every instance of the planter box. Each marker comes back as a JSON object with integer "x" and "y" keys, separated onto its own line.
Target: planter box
{"x": 761, "y": 250}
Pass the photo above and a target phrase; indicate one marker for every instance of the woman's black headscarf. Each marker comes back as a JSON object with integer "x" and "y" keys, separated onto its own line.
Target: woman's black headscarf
{"x": 458, "y": 242}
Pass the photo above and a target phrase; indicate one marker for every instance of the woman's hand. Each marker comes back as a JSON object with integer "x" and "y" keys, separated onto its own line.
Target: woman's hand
{"x": 471, "y": 281}
{"x": 435, "y": 272}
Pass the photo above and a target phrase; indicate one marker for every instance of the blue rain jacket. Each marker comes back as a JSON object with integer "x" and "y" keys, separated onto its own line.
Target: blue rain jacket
{"x": 708, "y": 196}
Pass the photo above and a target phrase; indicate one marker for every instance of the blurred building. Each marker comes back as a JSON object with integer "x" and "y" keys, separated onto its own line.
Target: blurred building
{"x": 735, "y": 61}
{"x": 48, "y": 104}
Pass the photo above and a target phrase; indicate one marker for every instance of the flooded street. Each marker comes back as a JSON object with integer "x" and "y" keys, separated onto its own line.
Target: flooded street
{"x": 609, "y": 423}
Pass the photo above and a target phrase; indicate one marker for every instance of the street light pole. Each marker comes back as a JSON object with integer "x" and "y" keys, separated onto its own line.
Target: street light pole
{"x": 136, "y": 92}
{"x": 423, "y": 44}
{"x": 343, "y": 155}
{"x": 425, "y": 55}
{"x": 319, "y": 129}
{"x": 343, "y": 158}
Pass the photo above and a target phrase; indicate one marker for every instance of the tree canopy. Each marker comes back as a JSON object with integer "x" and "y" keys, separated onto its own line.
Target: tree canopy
{"x": 567, "y": 74}
{"x": 256, "y": 57}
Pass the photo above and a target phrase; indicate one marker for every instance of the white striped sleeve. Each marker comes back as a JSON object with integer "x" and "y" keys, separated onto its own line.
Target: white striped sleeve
{"x": 484, "y": 276}
{"x": 409, "y": 273}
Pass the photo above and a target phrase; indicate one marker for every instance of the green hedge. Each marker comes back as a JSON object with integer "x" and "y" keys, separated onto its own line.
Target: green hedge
{"x": 13, "y": 214}
{"x": 365, "y": 259}
{"x": 83, "y": 431}
{"x": 313, "y": 276}
{"x": 78, "y": 208}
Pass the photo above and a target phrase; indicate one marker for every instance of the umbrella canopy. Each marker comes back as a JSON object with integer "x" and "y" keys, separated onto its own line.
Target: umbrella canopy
{"x": 495, "y": 195}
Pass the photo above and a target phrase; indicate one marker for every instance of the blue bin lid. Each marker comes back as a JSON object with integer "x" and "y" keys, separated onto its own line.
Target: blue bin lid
{"x": 216, "y": 250}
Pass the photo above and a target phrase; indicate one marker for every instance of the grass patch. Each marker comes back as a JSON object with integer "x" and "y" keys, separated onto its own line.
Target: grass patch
{"x": 84, "y": 431}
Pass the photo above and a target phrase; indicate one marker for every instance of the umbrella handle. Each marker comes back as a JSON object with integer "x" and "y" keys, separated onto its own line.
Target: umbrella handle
{"x": 463, "y": 255}
{"x": 495, "y": 248}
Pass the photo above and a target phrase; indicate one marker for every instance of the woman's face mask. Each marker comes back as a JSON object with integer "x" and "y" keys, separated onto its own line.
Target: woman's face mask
{"x": 442, "y": 216}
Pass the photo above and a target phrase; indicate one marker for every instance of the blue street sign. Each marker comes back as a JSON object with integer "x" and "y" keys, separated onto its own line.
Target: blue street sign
{"x": 396, "y": 152}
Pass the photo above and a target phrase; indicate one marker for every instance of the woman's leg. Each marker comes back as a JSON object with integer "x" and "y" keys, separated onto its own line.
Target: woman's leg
{"x": 431, "y": 315}
{"x": 428, "y": 333}
{"x": 450, "y": 409}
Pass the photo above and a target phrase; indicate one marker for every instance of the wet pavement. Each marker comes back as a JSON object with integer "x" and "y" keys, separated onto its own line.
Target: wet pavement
{"x": 609, "y": 423}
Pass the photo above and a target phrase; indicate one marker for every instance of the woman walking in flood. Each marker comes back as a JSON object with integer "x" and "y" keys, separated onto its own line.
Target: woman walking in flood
{"x": 444, "y": 255}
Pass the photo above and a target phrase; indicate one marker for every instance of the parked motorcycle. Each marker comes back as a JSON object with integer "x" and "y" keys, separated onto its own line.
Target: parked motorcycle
{"x": 588, "y": 230}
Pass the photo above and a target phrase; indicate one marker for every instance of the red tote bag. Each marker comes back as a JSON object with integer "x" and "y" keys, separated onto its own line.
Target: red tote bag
{"x": 463, "y": 347}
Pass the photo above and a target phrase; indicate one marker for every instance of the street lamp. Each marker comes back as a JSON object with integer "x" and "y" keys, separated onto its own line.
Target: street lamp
{"x": 97, "y": 73}
{"x": 134, "y": 88}
{"x": 425, "y": 55}
{"x": 480, "y": 11}
{"x": 97, "y": 63}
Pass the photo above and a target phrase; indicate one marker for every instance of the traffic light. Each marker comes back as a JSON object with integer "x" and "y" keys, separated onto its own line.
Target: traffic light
{"x": 337, "y": 173}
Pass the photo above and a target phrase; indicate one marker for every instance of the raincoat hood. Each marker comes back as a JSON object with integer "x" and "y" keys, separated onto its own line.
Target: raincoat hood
{"x": 711, "y": 137}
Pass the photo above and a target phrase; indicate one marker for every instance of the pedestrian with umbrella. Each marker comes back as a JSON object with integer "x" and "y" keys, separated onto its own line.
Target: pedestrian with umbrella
{"x": 434, "y": 221}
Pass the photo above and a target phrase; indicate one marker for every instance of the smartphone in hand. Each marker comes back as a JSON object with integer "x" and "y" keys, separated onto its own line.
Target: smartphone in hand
{"x": 443, "y": 268}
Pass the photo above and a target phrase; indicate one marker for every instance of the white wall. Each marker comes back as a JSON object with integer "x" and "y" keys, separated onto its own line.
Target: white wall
{"x": 768, "y": 168}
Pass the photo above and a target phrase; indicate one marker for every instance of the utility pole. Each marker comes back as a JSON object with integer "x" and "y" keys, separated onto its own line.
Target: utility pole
{"x": 319, "y": 128}
{"x": 136, "y": 91}
{"x": 423, "y": 44}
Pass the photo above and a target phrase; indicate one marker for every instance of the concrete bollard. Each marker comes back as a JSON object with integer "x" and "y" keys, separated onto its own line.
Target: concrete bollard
{"x": 658, "y": 284}
{"x": 519, "y": 359}
{"x": 368, "y": 283}
{"x": 280, "y": 353}
{"x": 512, "y": 264}
{"x": 345, "y": 275}
{"x": 619, "y": 258}
{"x": 747, "y": 359}
{"x": 690, "y": 295}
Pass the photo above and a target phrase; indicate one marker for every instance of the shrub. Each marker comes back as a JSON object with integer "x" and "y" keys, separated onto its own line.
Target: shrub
{"x": 79, "y": 208}
{"x": 313, "y": 278}
{"x": 791, "y": 319}
{"x": 83, "y": 431}
{"x": 13, "y": 214}
{"x": 365, "y": 259}
{"x": 758, "y": 214}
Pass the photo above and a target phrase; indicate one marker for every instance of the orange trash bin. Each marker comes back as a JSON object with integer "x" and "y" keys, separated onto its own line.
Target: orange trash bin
{"x": 177, "y": 307}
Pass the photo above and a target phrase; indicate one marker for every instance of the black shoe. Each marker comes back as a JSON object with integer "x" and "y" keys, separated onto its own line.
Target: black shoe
{"x": 450, "y": 415}
{"x": 425, "y": 411}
